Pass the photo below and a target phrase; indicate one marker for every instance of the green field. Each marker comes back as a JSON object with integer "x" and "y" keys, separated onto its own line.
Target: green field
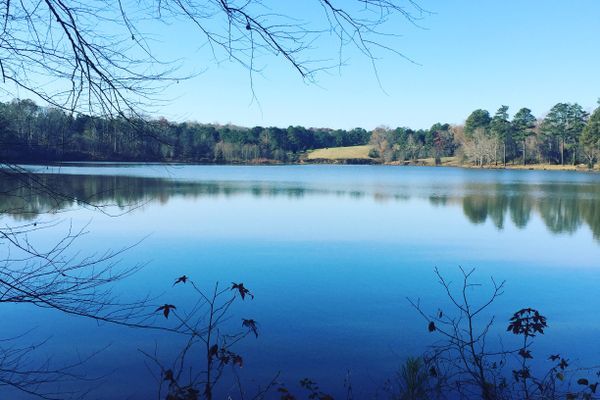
{"x": 340, "y": 153}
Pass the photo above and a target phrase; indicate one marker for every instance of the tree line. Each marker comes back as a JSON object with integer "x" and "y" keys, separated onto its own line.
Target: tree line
{"x": 566, "y": 134}
{"x": 31, "y": 133}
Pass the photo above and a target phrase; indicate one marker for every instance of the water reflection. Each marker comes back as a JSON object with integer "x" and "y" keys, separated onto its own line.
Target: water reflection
{"x": 564, "y": 207}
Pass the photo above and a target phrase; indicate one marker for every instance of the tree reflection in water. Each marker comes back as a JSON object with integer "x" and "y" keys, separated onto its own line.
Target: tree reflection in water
{"x": 563, "y": 207}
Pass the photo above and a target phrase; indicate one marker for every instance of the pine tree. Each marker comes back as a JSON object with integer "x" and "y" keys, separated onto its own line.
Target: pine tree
{"x": 522, "y": 127}
{"x": 590, "y": 138}
{"x": 501, "y": 129}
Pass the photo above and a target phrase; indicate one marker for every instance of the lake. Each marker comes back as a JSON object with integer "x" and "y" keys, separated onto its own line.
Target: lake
{"x": 331, "y": 254}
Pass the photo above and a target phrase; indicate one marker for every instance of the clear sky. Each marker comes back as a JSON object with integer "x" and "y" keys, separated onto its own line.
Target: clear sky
{"x": 472, "y": 54}
{"x": 467, "y": 54}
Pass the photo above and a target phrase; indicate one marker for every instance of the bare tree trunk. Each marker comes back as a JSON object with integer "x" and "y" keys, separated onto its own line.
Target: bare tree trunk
{"x": 496, "y": 152}
{"x": 590, "y": 158}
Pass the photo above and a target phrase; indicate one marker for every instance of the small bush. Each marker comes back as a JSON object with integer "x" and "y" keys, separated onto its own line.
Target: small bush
{"x": 373, "y": 153}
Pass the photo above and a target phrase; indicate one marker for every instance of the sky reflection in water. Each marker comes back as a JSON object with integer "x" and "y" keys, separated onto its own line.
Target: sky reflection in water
{"x": 331, "y": 253}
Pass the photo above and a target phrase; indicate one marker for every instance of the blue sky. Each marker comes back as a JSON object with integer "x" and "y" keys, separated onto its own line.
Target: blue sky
{"x": 467, "y": 55}
{"x": 472, "y": 54}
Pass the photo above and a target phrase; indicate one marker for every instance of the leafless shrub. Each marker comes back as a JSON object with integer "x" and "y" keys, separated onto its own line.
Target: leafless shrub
{"x": 464, "y": 363}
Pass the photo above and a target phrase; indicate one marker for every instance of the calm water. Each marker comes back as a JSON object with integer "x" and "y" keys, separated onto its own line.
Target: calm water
{"x": 331, "y": 253}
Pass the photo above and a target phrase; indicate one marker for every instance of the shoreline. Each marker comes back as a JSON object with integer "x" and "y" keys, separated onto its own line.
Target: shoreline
{"x": 456, "y": 164}
{"x": 518, "y": 167}
{"x": 417, "y": 163}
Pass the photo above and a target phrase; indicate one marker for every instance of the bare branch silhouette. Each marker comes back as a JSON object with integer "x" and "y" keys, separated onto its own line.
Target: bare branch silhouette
{"x": 98, "y": 56}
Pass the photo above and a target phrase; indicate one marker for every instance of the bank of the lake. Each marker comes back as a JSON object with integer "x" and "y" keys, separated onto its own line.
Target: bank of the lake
{"x": 364, "y": 155}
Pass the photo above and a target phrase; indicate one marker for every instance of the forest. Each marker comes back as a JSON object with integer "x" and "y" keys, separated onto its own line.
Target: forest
{"x": 30, "y": 133}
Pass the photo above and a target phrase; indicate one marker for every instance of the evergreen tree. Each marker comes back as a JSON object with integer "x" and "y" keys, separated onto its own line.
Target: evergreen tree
{"x": 564, "y": 123}
{"x": 590, "y": 138}
{"x": 478, "y": 119}
{"x": 522, "y": 127}
{"x": 501, "y": 128}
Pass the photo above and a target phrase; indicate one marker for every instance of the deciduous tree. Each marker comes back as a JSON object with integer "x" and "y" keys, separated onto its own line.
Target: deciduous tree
{"x": 104, "y": 57}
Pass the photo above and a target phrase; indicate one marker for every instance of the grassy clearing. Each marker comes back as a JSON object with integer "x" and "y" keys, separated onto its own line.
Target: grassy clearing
{"x": 340, "y": 153}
